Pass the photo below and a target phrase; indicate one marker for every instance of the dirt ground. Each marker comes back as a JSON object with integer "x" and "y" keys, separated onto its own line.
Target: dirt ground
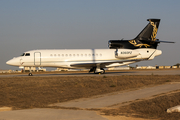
{"x": 39, "y": 92}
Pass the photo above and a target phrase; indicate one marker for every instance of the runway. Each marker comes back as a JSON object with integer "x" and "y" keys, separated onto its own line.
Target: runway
{"x": 108, "y": 73}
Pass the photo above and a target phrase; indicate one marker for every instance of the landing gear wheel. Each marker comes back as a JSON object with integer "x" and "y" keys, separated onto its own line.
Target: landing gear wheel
{"x": 103, "y": 72}
{"x": 30, "y": 74}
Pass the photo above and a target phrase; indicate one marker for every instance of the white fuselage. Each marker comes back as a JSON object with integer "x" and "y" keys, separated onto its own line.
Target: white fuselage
{"x": 82, "y": 58}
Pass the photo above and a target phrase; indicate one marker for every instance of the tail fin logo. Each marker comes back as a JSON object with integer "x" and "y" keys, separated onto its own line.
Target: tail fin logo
{"x": 133, "y": 42}
{"x": 154, "y": 33}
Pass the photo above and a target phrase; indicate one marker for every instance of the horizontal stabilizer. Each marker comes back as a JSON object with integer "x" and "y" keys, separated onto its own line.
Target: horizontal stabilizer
{"x": 158, "y": 41}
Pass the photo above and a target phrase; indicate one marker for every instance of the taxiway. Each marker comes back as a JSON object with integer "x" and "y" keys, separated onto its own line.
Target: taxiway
{"x": 108, "y": 73}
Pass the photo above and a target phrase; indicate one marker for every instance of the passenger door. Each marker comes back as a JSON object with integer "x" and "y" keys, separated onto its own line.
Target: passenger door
{"x": 37, "y": 58}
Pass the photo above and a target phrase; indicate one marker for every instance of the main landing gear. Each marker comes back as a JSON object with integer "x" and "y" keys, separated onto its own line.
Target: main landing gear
{"x": 97, "y": 70}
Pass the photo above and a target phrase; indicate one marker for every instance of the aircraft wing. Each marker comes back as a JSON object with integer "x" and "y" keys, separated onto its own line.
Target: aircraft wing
{"x": 102, "y": 64}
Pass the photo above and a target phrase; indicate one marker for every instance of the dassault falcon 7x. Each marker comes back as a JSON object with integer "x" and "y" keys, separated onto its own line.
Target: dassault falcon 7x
{"x": 121, "y": 52}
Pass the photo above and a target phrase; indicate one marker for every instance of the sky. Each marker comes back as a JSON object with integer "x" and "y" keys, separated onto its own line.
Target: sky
{"x": 85, "y": 24}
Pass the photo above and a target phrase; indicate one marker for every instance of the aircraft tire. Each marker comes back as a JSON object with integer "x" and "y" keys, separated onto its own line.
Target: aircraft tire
{"x": 99, "y": 72}
{"x": 30, "y": 74}
{"x": 103, "y": 72}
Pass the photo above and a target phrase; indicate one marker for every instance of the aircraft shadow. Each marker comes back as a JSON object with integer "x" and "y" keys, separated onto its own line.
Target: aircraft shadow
{"x": 79, "y": 74}
{"x": 83, "y": 74}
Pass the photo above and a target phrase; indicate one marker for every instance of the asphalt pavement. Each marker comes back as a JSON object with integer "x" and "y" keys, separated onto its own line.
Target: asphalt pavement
{"x": 108, "y": 73}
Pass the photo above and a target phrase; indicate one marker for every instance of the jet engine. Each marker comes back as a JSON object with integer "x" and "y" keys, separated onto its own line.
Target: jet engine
{"x": 126, "y": 53}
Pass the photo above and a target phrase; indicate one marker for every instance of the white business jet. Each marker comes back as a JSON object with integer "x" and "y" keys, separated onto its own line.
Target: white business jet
{"x": 121, "y": 52}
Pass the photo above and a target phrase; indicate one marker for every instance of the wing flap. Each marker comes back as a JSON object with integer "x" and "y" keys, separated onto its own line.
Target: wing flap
{"x": 102, "y": 64}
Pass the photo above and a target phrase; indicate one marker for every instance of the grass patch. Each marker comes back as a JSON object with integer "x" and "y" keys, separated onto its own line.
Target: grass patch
{"x": 112, "y": 85}
{"x": 39, "y": 92}
{"x": 168, "y": 80}
{"x": 104, "y": 77}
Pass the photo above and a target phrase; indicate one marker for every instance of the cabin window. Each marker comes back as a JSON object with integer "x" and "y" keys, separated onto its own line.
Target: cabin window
{"x": 100, "y": 54}
{"x": 78, "y": 55}
{"x": 63, "y": 55}
{"x": 96, "y": 54}
{"x": 89, "y": 54}
{"x": 74, "y": 55}
{"x": 70, "y": 55}
{"x": 58, "y": 54}
{"x": 66, "y": 54}
{"x": 51, "y": 55}
{"x": 55, "y": 55}
{"x": 81, "y": 54}
{"x": 27, "y": 54}
{"x": 85, "y": 54}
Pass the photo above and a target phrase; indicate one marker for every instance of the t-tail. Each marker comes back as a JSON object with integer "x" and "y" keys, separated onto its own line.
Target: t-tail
{"x": 150, "y": 31}
{"x": 145, "y": 39}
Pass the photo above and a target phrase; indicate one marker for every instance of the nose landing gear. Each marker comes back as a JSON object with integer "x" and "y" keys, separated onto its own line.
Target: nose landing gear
{"x": 30, "y": 74}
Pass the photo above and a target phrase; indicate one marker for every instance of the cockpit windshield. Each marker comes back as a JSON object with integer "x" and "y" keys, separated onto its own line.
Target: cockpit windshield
{"x": 25, "y": 54}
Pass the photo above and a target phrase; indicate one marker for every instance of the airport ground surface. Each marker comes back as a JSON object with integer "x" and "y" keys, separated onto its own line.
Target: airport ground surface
{"x": 125, "y": 95}
{"x": 108, "y": 73}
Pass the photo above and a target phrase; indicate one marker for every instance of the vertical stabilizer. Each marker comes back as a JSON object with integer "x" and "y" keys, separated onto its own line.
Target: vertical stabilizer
{"x": 145, "y": 39}
{"x": 150, "y": 31}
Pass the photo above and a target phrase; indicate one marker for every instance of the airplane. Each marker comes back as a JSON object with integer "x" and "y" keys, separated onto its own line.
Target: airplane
{"x": 120, "y": 52}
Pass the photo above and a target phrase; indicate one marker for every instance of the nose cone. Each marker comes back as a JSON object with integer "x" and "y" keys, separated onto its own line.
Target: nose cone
{"x": 13, "y": 62}
{"x": 9, "y": 62}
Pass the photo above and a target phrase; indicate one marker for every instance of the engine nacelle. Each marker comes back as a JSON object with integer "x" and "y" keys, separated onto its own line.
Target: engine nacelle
{"x": 126, "y": 53}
